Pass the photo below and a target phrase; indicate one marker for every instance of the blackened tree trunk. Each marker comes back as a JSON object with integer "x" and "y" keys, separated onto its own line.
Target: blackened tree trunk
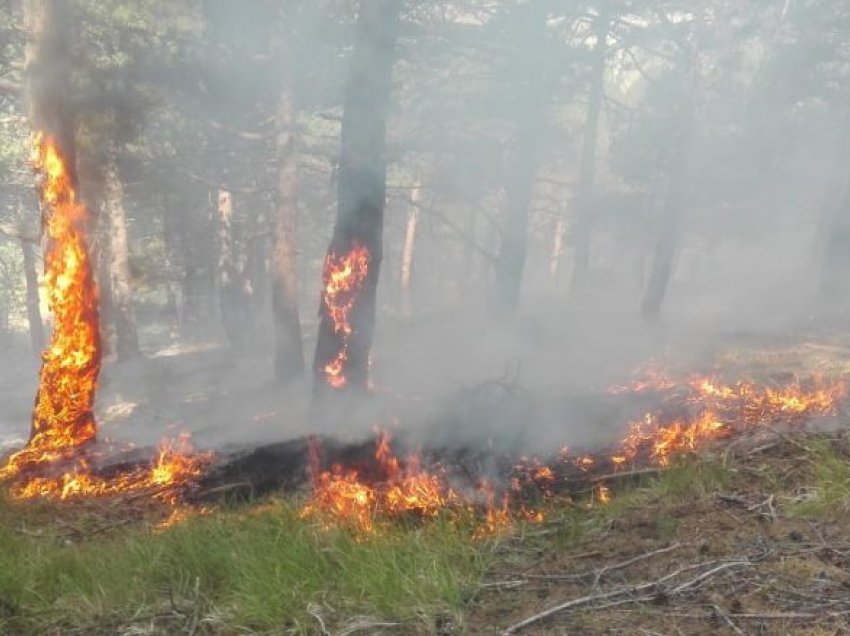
{"x": 289, "y": 350}
{"x": 126, "y": 334}
{"x": 590, "y": 138}
{"x": 361, "y": 191}
{"x": 33, "y": 305}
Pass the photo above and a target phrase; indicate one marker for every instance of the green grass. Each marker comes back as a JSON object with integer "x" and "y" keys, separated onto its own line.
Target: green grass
{"x": 259, "y": 571}
{"x": 827, "y": 485}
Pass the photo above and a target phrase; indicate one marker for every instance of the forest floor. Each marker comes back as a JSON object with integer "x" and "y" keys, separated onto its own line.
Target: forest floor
{"x": 741, "y": 539}
{"x": 740, "y": 542}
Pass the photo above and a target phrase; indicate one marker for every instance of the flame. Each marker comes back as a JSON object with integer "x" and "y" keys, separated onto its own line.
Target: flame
{"x": 343, "y": 278}
{"x": 62, "y": 419}
{"x": 404, "y": 488}
{"x": 724, "y": 408}
{"x": 175, "y": 467}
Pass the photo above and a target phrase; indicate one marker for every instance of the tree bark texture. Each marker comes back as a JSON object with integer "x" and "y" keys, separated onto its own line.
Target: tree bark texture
{"x": 289, "y": 350}
{"x": 361, "y": 192}
{"x": 587, "y": 176}
{"x": 126, "y": 334}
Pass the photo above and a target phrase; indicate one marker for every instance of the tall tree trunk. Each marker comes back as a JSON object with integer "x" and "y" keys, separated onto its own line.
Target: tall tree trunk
{"x": 833, "y": 232}
{"x": 533, "y": 99}
{"x": 668, "y": 235}
{"x": 229, "y": 280}
{"x": 126, "y": 334}
{"x": 33, "y": 304}
{"x": 407, "y": 249}
{"x": 289, "y": 349}
{"x": 557, "y": 248}
{"x": 590, "y": 137}
{"x": 48, "y": 70}
{"x": 361, "y": 194}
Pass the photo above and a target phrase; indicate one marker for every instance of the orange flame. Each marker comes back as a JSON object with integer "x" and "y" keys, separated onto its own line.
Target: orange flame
{"x": 343, "y": 278}
{"x": 341, "y": 496}
{"x": 62, "y": 420}
{"x": 175, "y": 466}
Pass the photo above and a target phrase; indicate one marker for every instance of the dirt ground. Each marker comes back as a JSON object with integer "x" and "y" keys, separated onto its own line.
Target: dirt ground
{"x": 736, "y": 559}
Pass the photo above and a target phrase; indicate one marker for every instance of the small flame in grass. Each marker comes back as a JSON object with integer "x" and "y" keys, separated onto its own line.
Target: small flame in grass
{"x": 603, "y": 494}
{"x": 343, "y": 278}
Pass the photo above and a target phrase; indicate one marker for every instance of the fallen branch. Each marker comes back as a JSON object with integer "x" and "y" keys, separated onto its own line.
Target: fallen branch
{"x": 598, "y": 574}
{"x": 630, "y": 590}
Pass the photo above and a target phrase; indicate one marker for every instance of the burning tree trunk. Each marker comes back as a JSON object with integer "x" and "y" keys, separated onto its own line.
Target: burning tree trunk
{"x": 587, "y": 178}
{"x": 63, "y": 416}
{"x": 289, "y": 351}
{"x": 33, "y": 302}
{"x": 352, "y": 264}
{"x": 126, "y": 335}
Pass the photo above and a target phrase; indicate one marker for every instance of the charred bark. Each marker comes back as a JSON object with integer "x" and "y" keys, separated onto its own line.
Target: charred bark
{"x": 590, "y": 140}
{"x": 126, "y": 334}
{"x": 361, "y": 191}
{"x": 289, "y": 350}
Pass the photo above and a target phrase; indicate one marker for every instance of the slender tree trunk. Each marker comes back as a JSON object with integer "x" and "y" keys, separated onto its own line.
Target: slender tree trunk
{"x": 534, "y": 97}
{"x": 228, "y": 278}
{"x": 362, "y": 196}
{"x": 407, "y": 249}
{"x": 33, "y": 304}
{"x": 289, "y": 349}
{"x": 668, "y": 236}
{"x": 126, "y": 334}
{"x": 557, "y": 248}
{"x": 587, "y": 177}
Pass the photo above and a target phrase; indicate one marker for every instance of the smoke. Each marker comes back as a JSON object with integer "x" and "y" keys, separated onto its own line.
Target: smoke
{"x": 486, "y": 96}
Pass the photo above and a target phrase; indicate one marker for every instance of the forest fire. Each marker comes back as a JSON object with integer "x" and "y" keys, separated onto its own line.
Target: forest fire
{"x": 62, "y": 419}
{"x": 56, "y": 461}
{"x": 397, "y": 489}
{"x": 343, "y": 278}
{"x": 175, "y": 466}
{"x": 690, "y": 414}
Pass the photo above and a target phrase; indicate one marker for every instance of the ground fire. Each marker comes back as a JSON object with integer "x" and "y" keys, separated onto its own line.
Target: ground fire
{"x": 691, "y": 414}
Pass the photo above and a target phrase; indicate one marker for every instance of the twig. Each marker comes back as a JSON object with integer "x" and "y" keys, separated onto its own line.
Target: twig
{"x": 598, "y": 574}
{"x": 787, "y": 438}
{"x": 705, "y": 575}
{"x": 625, "y": 474}
{"x": 728, "y": 620}
{"x": 632, "y": 589}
